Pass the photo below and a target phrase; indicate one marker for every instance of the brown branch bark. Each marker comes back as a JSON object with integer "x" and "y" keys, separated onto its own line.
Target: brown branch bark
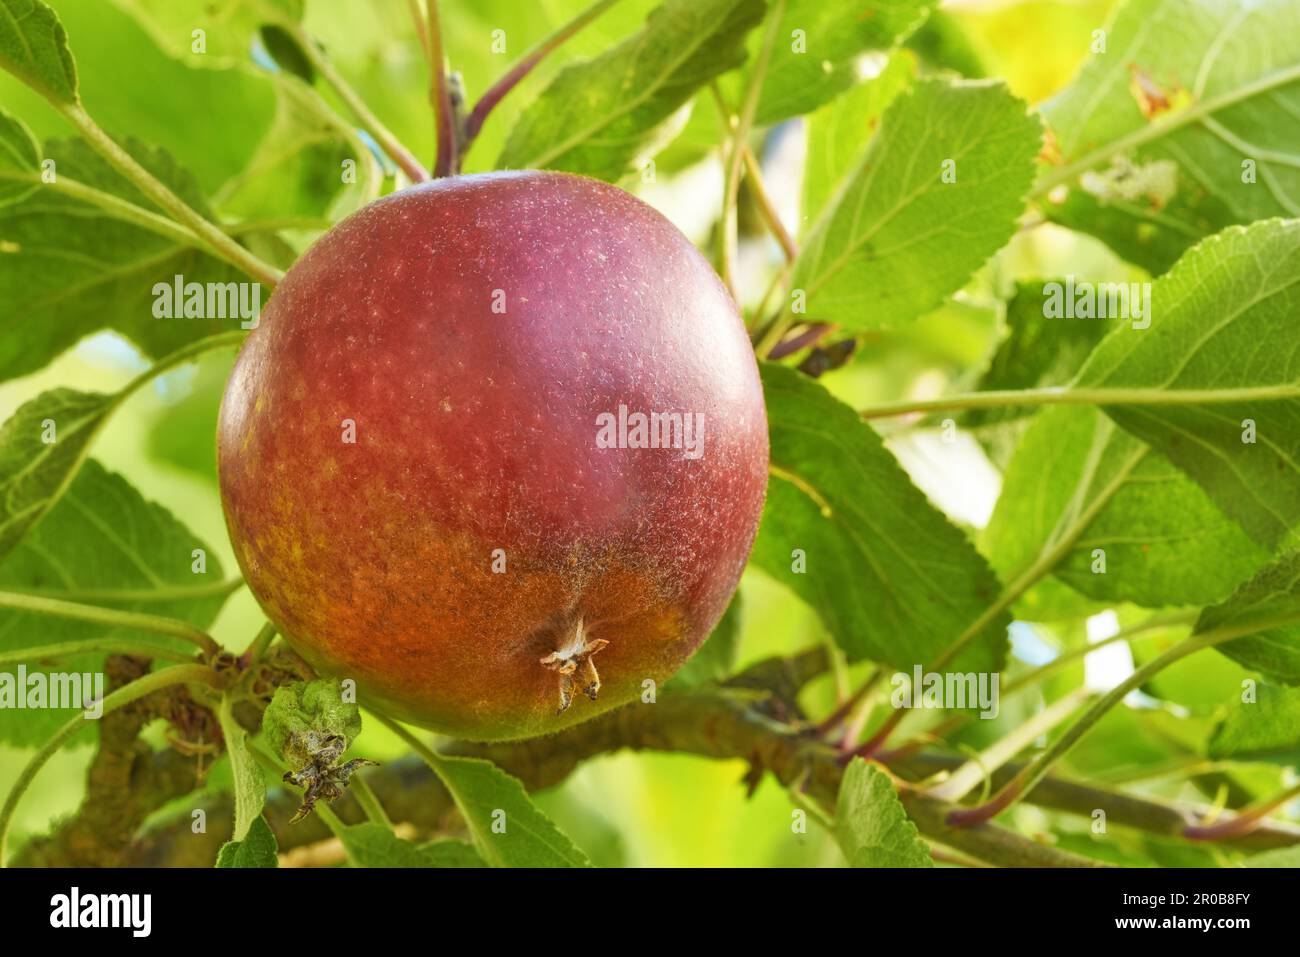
{"x": 127, "y": 780}
{"x": 721, "y": 724}
{"x": 744, "y": 721}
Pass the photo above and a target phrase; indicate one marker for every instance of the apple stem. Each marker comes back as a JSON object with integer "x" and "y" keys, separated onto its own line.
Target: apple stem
{"x": 444, "y": 114}
{"x": 257, "y": 648}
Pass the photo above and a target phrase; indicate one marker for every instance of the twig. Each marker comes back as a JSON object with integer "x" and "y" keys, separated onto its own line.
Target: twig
{"x": 111, "y": 646}
{"x": 147, "y": 684}
{"x": 735, "y": 159}
{"x": 809, "y": 337}
{"x": 155, "y": 624}
{"x": 389, "y": 143}
{"x": 754, "y": 173}
{"x": 978, "y": 768}
{"x": 1074, "y": 395}
{"x": 1242, "y": 822}
{"x": 722, "y": 725}
{"x": 1143, "y": 813}
{"x": 498, "y": 90}
{"x": 209, "y": 234}
{"x": 1016, "y": 788}
{"x": 444, "y": 117}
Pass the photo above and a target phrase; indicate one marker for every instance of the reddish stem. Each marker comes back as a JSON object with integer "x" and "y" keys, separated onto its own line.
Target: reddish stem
{"x": 982, "y": 813}
{"x": 810, "y": 336}
{"x": 877, "y": 740}
{"x": 447, "y": 161}
{"x": 497, "y": 92}
{"x": 1242, "y": 823}
{"x": 837, "y": 716}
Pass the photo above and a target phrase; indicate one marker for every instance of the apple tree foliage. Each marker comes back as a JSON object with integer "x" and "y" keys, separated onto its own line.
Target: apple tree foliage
{"x": 1149, "y": 471}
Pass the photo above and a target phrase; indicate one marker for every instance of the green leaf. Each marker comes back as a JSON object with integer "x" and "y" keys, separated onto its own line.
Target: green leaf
{"x": 715, "y": 660}
{"x": 508, "y": 828}
{"x": 297, "y": 168}
{"x": 1138, "y": 233}
{"x": 448, "y": 853}
{"x": 69, "y": 268}
{"x": 1164, "y": 541}
{"x": 103, "y": 543}
{"x": 1266, "y": 729}
{"x": 605, "y": 116}
{"x": 214, "y": 142}
{"x": 34, "y": 48}
{"x": 1211, "y": 318}
{"x": 819, "y": 46}
{"x": 1199, "y": 684}
{"x": 301, "y": 709}
{"x": 20, "y": 155}
{"x": 891, "y": 577}
{"x": 41, "y": 447}
{"x": 250, "y": 783}
{"x": 1035, "y": 351}
{"x": 839, "y": 131}
{"x": 1269, "y": 604}
{"x": 44, "y": 443}
{"x": 897, "y": 238}
{"x": 373, "y": 845}
{"x": 258, "y": 849}
{"x": 1278, "y": 857}
{"x": 180, "y": 435}
{"x": 943, "y": 43}
{"x": 871, "y": 826}
{"x": 1229, "y": 73}
{"x": 228, "y": 26}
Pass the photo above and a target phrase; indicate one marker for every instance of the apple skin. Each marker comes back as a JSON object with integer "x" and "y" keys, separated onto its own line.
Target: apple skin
{"x": 475, "y": 430}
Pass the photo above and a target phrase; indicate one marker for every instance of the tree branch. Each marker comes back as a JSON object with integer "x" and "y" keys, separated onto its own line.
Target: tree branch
{"x": 722, "y": 724}
{"x": 127, "y": 781}
{"x": 753, "y": 718}
{"x": 1128, "y": 810}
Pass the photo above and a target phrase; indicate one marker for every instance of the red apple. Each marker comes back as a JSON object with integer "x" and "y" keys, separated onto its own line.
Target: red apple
{"x": 416, "y": 464}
